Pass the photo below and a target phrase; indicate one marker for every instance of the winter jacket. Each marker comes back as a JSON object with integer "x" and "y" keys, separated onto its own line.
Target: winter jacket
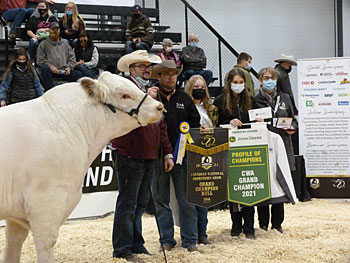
{"x": 58, "y": 54}
{"x": 179, "y": 108}
{"x": 89, "y": 55}
{"x": 193, "y": 58}
{"x": 285, "y": 109}
{"x": 35, "y": 22}
{"x": 18, "y": 86}
{"x": 140, "y": 28}
{"x": 63, "y": 27}
{"x": 283, "y": 85}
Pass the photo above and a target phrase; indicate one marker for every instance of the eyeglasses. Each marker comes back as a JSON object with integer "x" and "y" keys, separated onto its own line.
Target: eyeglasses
{"x": 142, "y": 66}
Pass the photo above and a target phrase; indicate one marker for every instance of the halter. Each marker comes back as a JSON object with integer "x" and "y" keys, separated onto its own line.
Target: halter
{"x": 133, "y": 112}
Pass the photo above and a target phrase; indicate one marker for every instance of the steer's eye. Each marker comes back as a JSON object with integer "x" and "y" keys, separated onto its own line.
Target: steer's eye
{"x": 126, "y": 96}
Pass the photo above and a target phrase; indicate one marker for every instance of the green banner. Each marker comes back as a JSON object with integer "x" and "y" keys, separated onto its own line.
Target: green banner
{"x": 248, "y": 174}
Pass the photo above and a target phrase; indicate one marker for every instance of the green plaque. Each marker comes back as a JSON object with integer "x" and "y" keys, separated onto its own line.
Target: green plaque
{"x": 248, "y": 174}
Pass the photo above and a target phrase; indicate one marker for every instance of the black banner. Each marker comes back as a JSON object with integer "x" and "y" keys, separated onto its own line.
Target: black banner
{"x": 329, "y": 187}
{"x": 101, "y": 176}
{"x": 207, "y": 168}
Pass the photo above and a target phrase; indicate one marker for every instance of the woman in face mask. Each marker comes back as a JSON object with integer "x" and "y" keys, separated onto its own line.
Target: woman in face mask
{"x": 281, "y": 107}
{"x": 167, "y": 52}
{"x": 86, "y": 55}
{"x": 20, "y": 81}
{"x": 38, "y": 27}
{"x": 71, "y": 24}
{"x": 233, "y": 107}
{"x": 197, "y": 88}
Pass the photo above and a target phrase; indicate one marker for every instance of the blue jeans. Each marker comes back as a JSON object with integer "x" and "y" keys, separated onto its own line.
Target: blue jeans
{"x": 202, "y": 221}
{"x": 17, "y": 16}
{"x": 131, "y": 46}
{"x": 47, "y": 76}
{"x": 205, "y": 73}
{"x": 187, "y": 211}
{"x": 134, "y": 182}
{"x": 32, "y": 48}
{"x": 88, "y": 72}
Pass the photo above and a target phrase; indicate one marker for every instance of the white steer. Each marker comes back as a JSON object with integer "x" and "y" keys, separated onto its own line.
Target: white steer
{"x": 47, "y": 146}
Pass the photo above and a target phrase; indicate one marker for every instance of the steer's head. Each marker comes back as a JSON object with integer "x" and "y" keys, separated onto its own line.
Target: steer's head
{"x": 124, "y": 95}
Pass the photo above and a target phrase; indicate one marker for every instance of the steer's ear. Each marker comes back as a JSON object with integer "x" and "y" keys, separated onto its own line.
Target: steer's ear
{"x": 94, "y": 89}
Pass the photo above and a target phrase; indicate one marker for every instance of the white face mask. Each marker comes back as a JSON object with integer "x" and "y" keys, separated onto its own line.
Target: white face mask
{"x": 237, "y": 88}
{"x": 168, "y": 49}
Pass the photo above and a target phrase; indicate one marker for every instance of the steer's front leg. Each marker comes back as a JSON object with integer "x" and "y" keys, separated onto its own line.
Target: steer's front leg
{"x": 15, "y": 236}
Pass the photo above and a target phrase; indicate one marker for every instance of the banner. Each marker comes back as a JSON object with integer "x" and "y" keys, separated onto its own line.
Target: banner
{"x": 105, "y": 2}
{"x": 324, "y": 108}
{"x": 101, "y": 175}
{"x": 207, "y": 169}
{"x": 248, "y": 162}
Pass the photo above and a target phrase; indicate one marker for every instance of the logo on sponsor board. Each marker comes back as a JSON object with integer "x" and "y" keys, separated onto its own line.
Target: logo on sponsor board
{"x": 310, "y": 95}
{"x": 339, "y": 183}
{"x": 310, "y": 82}
{"x": 324, "y": 103}
{"x": 309, "y": 103}
{"x": 314, "y": 183}
{"x": 326, "y": 74}
{"x": 342, "y": 73}
{"x": 327, "y": 82}
{"x": 343, "y": 103}
{"x": 344, "y": 81}
{"x": 328, "y": 95}
{"x": 311, "y": 75}
{"x": 343, "y": 94}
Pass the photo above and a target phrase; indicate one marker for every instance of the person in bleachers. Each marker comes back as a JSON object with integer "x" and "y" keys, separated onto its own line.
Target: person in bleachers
{"x": 20, "y": 81}
{"x": 233, "y": 106}
{"x": 38, "y": 27}
{"x": 56, "y": 58}
{"x": 168, "y": 53}
{"x": 281, "y": 106}
{"x": 244, "y": 61}
{"x": 194, "y": 60}
{"x": 198, "y": 91}
{"x": 15, "y": 11}
{"x": 139, "y": 32}
{"x": 71, "y": 24}
{"x": 86, "y": 55}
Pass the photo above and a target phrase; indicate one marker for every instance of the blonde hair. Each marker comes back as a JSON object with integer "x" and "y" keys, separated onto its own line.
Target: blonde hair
{"x": 189, "y": 89}
{"x": 75, "y": 16}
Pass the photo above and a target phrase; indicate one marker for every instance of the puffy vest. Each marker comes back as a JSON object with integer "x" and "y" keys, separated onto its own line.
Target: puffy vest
{"x": 84, "y": 53}
{"x": 22, "y": 86}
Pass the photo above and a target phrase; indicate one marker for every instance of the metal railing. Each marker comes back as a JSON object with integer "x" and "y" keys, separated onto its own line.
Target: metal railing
{"x": 3, "y": 24}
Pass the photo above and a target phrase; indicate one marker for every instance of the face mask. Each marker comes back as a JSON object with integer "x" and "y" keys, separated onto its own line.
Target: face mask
{"x": 193, "y": 44}
{"x": 237, "y": 88}
{"x": 69, "y": 13}
{"x": 41, "y": 11}
{"x": 136, "y": 16}
{"x": 168, "y": 49}
{"x": 249, "y": 66}
{"x": 83, "y": 42}
{"x": 289, "y": 70}
{"x": 141, "y": 81}
{"x": 21, "y": 64}
{"x": 54, "y": 37}
{"x": 198, "y": 94}
{"x": 269, "y": 84}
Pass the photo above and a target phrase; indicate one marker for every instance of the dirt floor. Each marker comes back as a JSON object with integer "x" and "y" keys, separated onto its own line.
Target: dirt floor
{"x": 316, "y": 231}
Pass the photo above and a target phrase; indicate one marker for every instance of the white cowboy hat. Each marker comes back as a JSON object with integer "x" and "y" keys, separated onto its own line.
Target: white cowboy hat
{"x": 288, "y": 58}
{"x": 137, "y": 56}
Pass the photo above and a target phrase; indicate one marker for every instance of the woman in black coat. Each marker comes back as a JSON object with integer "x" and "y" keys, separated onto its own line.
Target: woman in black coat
{"x": 281, "y": 106}
{"x": 233, "y": 108}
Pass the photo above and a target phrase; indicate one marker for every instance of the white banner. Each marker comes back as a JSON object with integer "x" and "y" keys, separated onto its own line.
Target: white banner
{"x": 324, "y": 116}
{"x": 104, "y": 2}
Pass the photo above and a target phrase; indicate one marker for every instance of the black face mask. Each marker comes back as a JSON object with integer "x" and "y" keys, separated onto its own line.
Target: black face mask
{"x": 198, "y": 94}
{"x": 289, "y": 70}
{"x": 21, "y": 64}
{"x": 41, "y": 11}
{"x": 136, "y": 16}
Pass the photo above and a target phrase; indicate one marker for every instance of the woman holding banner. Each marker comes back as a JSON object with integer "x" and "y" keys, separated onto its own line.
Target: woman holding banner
{"x": 233, "y": 108}
{"x": 283, "y": 123}
{"x": 197, "y": 88}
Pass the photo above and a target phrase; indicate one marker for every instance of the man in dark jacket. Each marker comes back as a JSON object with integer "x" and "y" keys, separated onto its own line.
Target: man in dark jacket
{"x": 137, "y": 163}
{"x": 194, "y": 60}
{"x": 180, "y": 108}
{"x": 139, "y": 32}
{"x": 284, "y": 66}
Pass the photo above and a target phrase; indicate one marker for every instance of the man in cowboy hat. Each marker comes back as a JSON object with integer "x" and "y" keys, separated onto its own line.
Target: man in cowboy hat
{"x": 137, "y": 162}
{"x": 180, "y": 107}
{"x": 284, "y": 66}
